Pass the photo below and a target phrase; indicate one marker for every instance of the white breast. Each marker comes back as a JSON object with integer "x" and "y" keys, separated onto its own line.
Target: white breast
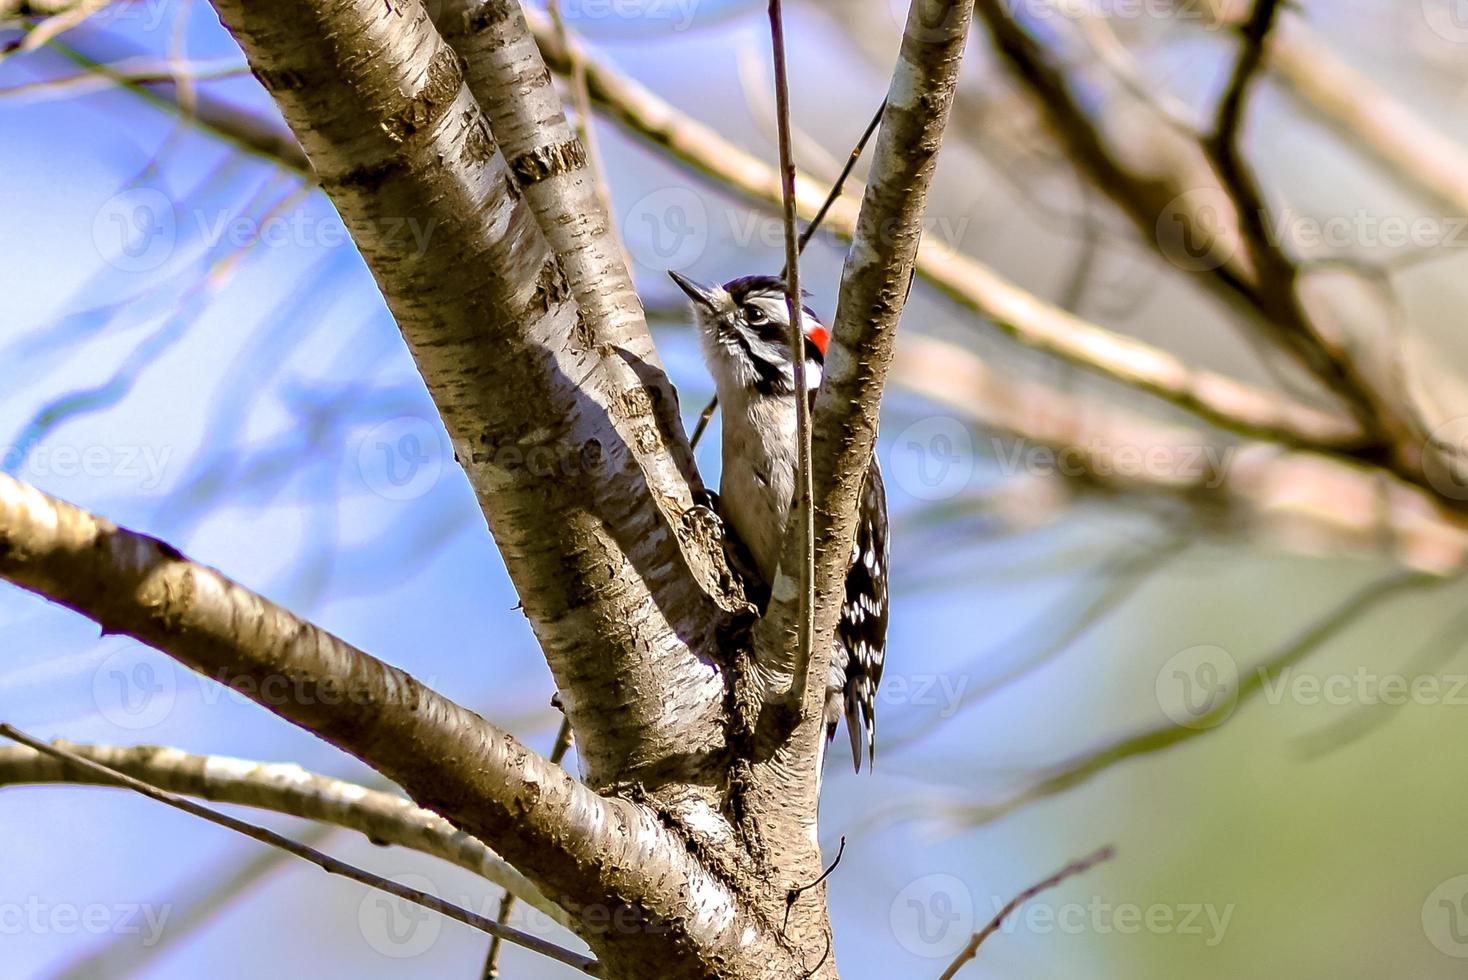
{"x": 757, "y": 485}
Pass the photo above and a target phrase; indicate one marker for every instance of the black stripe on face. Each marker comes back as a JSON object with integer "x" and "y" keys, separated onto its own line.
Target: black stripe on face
{"x": 770, "y": 378}
{"x": 763, "y": 315}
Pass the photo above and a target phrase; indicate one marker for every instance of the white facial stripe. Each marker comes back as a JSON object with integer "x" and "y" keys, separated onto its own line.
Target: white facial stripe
{"x": 774, "y": 307}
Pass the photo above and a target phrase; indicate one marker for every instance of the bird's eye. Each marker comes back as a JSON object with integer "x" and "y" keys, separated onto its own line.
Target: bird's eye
{"x": 754, "y": 315}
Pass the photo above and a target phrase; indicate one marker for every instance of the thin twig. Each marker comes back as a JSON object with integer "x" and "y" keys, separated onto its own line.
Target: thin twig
{"x": 704, "y": 418}
{"x": 326, "y": 862}
{"x": 507, "y": 903}
{"x": 803, "y": 521}
{"x": 1446, "y": 641}
{"x": 1223, "y": 145}
{"x": 794, "y": 894}
{"x": 840, "y": 186}
{"x": 1069, "y": 871}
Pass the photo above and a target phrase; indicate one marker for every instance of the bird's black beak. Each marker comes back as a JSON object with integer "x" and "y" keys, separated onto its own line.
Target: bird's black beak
{"x": 702, "y": 296}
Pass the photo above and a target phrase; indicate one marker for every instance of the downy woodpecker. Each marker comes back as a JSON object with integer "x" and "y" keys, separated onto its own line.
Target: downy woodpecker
{"x": 744, "y": 331}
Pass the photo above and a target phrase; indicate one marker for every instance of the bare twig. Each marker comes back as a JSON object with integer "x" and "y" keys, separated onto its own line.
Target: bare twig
{"x": 215, "y": 889}
{"x": 792, "y": 896}
{"x": 1445, "y": 641}
{"x": 801, "y": 524}
{"x": 326, "y": 862}
{"x": 839, "y": 188}
{"x": 1069, "y": 871}
{"x": 53, "y": 27}
{"x": 507, "y": 902}
{"x": 217, "y": 117}
{"x": 380, "y": 816}
{"x": 581, "y": 98}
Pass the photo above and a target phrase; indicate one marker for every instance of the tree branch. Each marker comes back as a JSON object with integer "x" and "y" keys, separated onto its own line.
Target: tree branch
{"x": 1069, "y": 871}
{"x": 875, "y": 282}
{"x": 382, "y": 817}
{"x": 801, "y": 529}
{"x": 1280, "y": 498}
{"x": 323, "y": 861}
{"x": 586, "y": 850}
{"x": 562, "y": 432}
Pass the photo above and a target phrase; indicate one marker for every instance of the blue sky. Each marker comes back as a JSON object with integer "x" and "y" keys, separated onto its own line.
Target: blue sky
{"x": 256, "y": 407}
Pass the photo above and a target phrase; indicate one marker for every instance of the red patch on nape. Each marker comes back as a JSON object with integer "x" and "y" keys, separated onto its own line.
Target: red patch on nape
{"x": 820, "y": 336}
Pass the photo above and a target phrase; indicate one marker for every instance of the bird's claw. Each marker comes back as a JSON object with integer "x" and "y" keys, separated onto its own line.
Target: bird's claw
{"x": 706, "y": 508}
